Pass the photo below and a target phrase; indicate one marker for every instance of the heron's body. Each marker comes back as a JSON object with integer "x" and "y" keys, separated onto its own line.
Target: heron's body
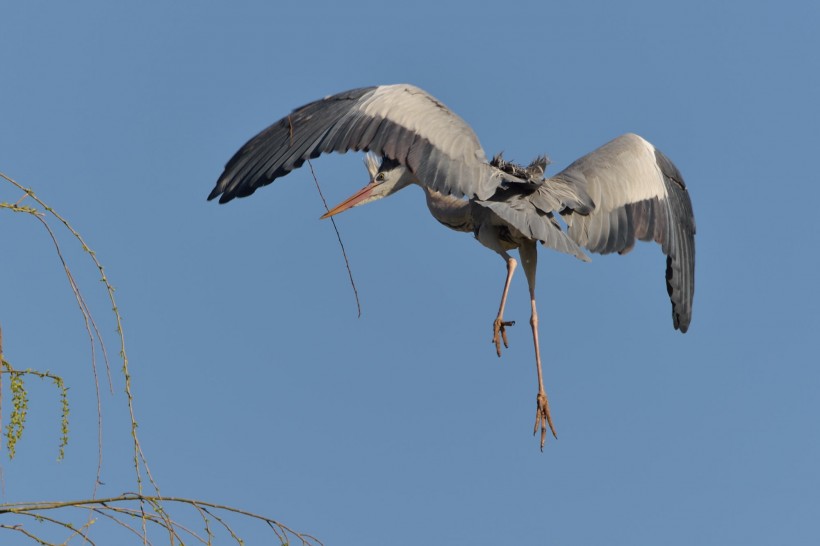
{"x": 623, "y": 191}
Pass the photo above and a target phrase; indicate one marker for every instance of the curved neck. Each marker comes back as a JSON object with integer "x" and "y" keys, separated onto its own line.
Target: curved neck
{"x": 450, "y": 211}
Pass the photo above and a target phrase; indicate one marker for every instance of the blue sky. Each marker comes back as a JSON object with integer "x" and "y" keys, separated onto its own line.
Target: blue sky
{"x": 255, "y": 383}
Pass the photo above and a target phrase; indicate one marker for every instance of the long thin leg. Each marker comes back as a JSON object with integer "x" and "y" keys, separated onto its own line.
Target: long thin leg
{"x": 529, "y": 259}
{"x": 488, "y": 236}
{"x": 499, "y": 324}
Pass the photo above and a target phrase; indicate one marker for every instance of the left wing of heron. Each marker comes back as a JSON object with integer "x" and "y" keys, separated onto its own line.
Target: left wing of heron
{"x": 401, "y": 122}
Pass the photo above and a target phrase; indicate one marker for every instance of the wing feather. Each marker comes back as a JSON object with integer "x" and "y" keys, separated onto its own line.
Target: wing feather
{"x": 637, "y": 193}
{"x": 401, "y": 122}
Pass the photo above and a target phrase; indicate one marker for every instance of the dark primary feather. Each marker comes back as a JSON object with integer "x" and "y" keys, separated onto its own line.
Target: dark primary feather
{"x": 680, "y": 262}
{"x": 279, "y": 149}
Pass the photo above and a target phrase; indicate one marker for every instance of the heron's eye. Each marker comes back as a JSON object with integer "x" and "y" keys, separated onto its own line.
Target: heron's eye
{"x": 380, "y": 177}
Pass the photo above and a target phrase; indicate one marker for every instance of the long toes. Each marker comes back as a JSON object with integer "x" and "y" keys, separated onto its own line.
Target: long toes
{"x": 498, "y": 334}
{"x": 540, "y": 422}
{"x": 497, "y": 342}
{"x": 543, "y": 418}
{"x": 501, "y": 327}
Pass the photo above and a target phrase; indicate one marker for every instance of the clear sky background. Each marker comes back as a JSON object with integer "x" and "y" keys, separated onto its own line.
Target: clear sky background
{"x": 255, "y": 383}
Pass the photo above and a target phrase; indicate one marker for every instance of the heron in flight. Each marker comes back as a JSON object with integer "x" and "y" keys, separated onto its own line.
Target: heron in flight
{"x": 623, "y": 191}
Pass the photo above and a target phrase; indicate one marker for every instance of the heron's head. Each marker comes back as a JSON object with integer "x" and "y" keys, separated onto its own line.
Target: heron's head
{"x": 387, "y": 176}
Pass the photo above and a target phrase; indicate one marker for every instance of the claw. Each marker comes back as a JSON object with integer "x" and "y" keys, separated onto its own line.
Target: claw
{"x": 499, "y": 327}
{"x": 543, "y": 418}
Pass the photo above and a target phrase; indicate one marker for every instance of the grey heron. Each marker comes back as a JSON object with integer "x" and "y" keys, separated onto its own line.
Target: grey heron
{"x": 623, "y": 191}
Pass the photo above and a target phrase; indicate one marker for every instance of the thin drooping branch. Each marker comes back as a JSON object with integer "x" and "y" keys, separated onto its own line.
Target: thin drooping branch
{"x": 125, "y": 510}
{"x": 114, "y": 508}
{"x": 139, "y": 460}
{"x": 90, "y": 325}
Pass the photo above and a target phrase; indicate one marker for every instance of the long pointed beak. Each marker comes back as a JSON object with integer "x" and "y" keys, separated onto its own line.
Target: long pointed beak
{"x": 351, "y": 201}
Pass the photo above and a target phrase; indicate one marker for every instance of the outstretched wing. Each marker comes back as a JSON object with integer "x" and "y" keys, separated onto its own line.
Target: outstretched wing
{"x": 401, "y": 122}
{"x": 636, "y": 193}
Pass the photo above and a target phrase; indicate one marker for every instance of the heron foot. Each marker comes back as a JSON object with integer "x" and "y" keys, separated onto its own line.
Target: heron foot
{"x": 499, "y": 328}
{"x": 543, "y": 418}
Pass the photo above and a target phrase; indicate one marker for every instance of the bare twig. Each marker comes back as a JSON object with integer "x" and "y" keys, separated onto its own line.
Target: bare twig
{"x": 22, "y": 530}
{"x": 335, "y": 227}
{"x": 68, "y": 526}
{"x": 339, "y": 237}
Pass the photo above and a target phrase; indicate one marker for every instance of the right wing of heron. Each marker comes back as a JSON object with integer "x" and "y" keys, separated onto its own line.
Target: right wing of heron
{"x": 637, "y": 193}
